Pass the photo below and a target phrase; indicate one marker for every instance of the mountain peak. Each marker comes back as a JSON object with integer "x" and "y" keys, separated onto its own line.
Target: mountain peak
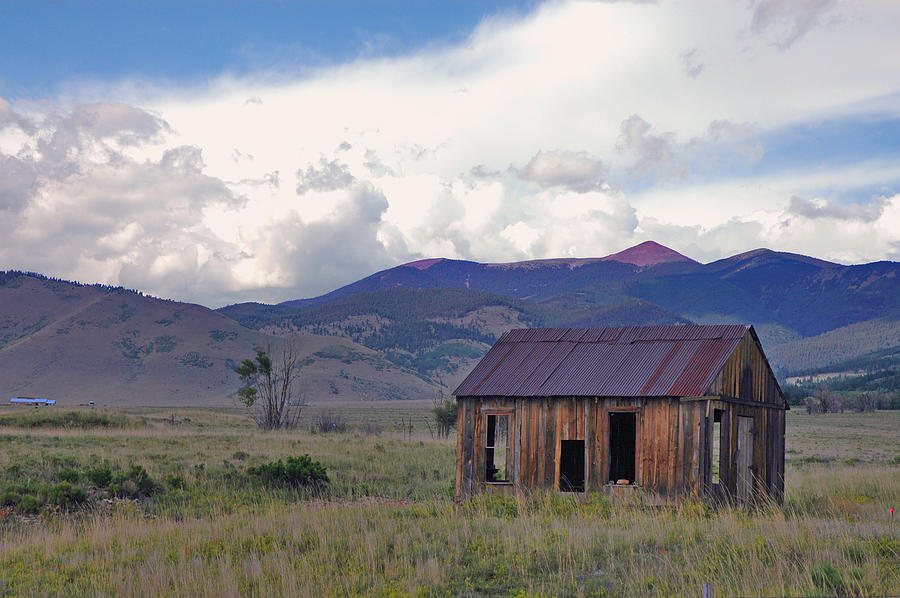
{"x": 648, "y": 253}
{"x": 754, "y": 255}
{"x": 423, "y": 264}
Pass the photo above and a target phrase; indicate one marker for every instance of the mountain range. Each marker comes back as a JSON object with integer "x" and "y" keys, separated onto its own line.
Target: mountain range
{"x": 437, "y": 315}
{"x": 405, "y": 331}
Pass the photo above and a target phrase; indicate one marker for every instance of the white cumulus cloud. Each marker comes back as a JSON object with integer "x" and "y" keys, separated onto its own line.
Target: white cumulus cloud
{"x": 574, "y": 130}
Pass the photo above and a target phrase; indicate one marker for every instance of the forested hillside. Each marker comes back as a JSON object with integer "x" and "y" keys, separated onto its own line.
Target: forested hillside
{"x": 437, "y": 316}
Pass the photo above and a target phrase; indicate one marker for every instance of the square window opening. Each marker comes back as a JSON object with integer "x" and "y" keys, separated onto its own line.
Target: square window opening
{"x": 622, "y": 447}
{"x": 571, "y": 466}
{"x": 496, "y": 449}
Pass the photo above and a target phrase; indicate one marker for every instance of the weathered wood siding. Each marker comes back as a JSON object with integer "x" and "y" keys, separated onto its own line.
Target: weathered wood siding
{"x": 667, "y": 446}
{"x": 747, "y": 377}
{"x": 768, "y": 449}
{"x": 673, "y": 435}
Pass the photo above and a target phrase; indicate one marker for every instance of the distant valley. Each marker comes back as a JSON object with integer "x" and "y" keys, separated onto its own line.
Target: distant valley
{"x": 415, "y": 330}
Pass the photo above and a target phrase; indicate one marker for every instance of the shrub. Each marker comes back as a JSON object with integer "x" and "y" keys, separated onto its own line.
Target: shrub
{"x": 134, "y": 483}
{"x": 328, "y": 421}
{"x": 9, "y": 498}
{"x": 176, "y": 482}
{"x": 100, "y": 476}
{"x": 297, "y": 471}
{"x": 65, "y": 495}
{"x": 69, "y": 474}
{"x": 142, "y": 479}
{"x": 28, "y": 504}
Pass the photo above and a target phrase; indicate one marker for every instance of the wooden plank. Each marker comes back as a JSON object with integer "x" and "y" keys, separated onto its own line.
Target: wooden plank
{"x": 603, "y": 445}
{"x": 697, "y": 435}
{"x": 525, "y": 449}
{"x": 588, "y": 470}
{"x": 516, "y": 443}
{"x": 734, "y": 401}
{"x": 460, "y": 457}
{"x": 532, "y": 443}
{"x": 681, "y": 474}
{"x": 562, "y": 418}
{"x": 549, "y": 443}
{"x": 640, "y": 444}
{"x": 540, "y": 416}
{"x": 597, "y": 415}
{"x": 703, "y": 451}
{"x": 671, "y": 455}
{"x": 657, "y": 444}
{"x": 744, "y": 458}
{"x": 725, "y": 449}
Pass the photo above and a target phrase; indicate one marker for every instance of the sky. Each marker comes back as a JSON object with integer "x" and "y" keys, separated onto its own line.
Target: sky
{"x": 217, "y": 152}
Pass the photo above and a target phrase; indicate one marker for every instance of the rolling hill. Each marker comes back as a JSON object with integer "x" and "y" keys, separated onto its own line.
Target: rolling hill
{"x": 79, "y": 343}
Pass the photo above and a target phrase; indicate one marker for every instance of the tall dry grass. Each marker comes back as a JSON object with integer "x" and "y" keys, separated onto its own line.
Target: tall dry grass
{"x": 387, "y": 526}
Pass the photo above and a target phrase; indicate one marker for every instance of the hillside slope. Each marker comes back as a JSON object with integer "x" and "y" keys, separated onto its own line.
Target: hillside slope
{"x": 79, "y": 343}
{"x": 788, "y": 297}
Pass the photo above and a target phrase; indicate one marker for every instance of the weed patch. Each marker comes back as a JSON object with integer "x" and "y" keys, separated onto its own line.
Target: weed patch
{"x": 294, "y": 472}
{"x": 82, "y": 420}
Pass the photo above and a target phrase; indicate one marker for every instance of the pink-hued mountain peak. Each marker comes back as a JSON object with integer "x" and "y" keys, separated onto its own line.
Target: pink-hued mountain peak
{"x": 424, "y": 264}
{"x": 648, "y": 253}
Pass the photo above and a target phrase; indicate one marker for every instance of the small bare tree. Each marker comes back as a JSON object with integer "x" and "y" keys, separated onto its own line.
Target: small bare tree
{"x": 271, "y": 389}
{"x": 444, "y": 410}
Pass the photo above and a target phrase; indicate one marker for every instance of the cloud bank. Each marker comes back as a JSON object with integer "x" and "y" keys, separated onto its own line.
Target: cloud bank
{"x": 576, "y": 130}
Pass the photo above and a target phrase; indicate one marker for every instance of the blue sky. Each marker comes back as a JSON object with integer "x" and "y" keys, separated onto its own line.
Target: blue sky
{"x": 45, "y": 45}
{"x": 225, "y": 151}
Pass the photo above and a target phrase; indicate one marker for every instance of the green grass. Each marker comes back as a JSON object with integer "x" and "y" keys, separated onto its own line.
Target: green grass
{"x": 386, "y": 525}
{"x": 48, "y": 417}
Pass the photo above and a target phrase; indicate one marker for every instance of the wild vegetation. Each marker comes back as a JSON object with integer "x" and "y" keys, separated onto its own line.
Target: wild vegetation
{"x": 270, "y": 391}
{"x": 199, "y": 517}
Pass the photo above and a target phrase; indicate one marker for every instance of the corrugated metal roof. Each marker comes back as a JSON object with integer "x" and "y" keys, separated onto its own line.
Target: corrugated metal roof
{"x": 623, "y": 361}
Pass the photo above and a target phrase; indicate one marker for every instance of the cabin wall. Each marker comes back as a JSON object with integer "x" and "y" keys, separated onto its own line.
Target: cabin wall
{"x": 767, "y": 462}
{"x": 669, "y": 454}
{"x": 673, "y": 444}
{"x": 746, "y": 377}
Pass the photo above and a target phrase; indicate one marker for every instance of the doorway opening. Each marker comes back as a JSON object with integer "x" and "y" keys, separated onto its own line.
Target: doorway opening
{"x": 622, "y": 444}
{"x": 716, "y": 457}
{"x": 571, "y": 466}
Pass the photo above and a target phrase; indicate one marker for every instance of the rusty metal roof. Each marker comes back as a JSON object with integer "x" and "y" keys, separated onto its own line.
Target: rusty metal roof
{"x": 623, "y": 361}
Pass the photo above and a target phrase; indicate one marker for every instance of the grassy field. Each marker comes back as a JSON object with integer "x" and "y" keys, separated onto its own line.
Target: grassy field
{"x": 192, "y": 520}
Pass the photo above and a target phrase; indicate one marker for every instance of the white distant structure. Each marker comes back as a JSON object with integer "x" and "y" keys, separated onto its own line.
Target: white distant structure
{"x": 36, "y": 401}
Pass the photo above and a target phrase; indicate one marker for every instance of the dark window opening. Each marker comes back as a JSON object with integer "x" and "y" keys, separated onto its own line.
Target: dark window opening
{"x": 571, "y": 466}
{"x": 716, "y": 456}
{"x": 622, "y": 444}
{"x": 496, "y": 449}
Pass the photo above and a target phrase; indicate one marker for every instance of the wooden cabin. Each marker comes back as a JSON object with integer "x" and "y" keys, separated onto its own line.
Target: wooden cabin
{"x": 670, "y": 409}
